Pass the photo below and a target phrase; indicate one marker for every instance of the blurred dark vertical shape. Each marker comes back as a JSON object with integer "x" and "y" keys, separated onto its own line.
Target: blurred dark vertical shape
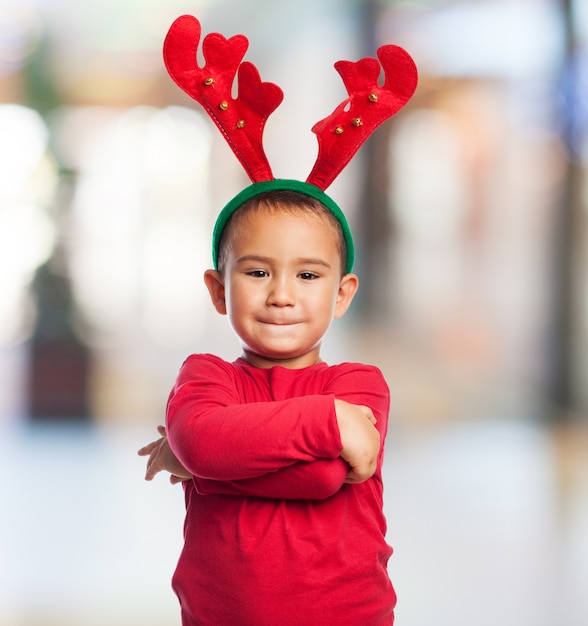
{"x": 374, "y": 226}
{"x": 562, "y": 382}
{"x": 59, "y": 361}
{"x": 58, "y": 382}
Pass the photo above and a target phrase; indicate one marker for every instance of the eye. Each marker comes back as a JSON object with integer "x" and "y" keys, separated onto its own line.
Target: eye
{"x": 257, "y": 273}
{"x": 308, "y": 275}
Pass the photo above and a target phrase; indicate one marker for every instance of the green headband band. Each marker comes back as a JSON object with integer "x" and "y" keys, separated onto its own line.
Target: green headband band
{"x": 281, "y": 185}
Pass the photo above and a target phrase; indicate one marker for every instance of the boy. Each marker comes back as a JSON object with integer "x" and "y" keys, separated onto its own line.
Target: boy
{"x": 280, "y": 454}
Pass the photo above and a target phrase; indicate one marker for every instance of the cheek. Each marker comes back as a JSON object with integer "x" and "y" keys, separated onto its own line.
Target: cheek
{"x": 240, "y": 298}
{"x": 325, "y": 306}
{"x": 337, "y": 303}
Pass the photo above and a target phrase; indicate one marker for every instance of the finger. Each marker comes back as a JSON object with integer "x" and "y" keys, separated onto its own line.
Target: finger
{"x": 357, "y": 475}
{"x": 161, "y": 430}
{"x": 367, "y": 412}
{"x": 152, "y": 468}
{"x": 148, "y": 473}
{"x": 370, "y": 415}
{"x": 150, "y": 447}
{"x": 146, "y": 450}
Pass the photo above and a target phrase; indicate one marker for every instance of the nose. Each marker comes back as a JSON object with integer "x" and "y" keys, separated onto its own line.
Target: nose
{"x": 281, "y": 292}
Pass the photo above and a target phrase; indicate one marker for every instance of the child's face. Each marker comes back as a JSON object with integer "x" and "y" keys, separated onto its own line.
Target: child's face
{"x": 281, "y": 286}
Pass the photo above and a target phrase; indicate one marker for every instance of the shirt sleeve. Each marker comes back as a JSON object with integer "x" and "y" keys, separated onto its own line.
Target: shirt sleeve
{"x": 362, "y": 384}
{"x": 314, "y": 480}
{"x": 217, "y": 437}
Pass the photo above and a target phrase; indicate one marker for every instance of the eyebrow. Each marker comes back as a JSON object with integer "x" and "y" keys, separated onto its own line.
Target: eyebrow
{"x": 299, "y": 261}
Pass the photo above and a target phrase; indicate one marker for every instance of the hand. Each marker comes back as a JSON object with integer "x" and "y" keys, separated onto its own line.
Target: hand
{"x": 161, "y": 458}
{"x": 360, "y": 440}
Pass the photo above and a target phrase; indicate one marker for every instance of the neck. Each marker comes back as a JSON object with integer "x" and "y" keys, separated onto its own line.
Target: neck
{"x": 298, "y": 362}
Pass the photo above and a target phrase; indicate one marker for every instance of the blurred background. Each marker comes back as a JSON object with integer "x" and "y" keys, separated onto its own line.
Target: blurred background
{"x": 469, "y": 210}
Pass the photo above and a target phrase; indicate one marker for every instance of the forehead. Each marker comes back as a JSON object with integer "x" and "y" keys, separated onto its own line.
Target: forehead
{"x": 283, "y": 221}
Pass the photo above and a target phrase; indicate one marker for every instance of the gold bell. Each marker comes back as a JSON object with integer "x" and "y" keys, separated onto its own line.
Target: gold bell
{"x": 224, "y": 105}
{"x": 373, "y": 97}
{"x": 357, "y": 121}
{"x": 241, "y": 124}
{"x": 339, "y": 130}
{"x": 209, "y": 81}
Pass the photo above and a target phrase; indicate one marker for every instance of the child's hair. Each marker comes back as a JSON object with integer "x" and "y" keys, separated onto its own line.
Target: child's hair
{"x": 274, "y": 202}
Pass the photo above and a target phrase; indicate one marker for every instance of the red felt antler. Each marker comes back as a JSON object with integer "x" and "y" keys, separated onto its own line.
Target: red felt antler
{"x": 241, "y": 119}
{"x": 341, "y": 134}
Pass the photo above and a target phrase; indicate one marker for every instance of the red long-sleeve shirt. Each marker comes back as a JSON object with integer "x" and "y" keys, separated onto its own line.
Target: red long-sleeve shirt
{"x": 273, "y": 535}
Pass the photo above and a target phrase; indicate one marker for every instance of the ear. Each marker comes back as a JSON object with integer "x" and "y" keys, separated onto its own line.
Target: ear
{"x": 216, "y": 288}
{"x": 347, "y": 289}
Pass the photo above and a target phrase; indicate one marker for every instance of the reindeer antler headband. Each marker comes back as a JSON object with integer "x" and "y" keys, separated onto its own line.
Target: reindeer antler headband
{"x": 241, "y": 120}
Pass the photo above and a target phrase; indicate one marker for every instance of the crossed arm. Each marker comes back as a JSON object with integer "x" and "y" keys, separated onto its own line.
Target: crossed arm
{"x": 305, "y": 447}
{"x": 357, "y": 462}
